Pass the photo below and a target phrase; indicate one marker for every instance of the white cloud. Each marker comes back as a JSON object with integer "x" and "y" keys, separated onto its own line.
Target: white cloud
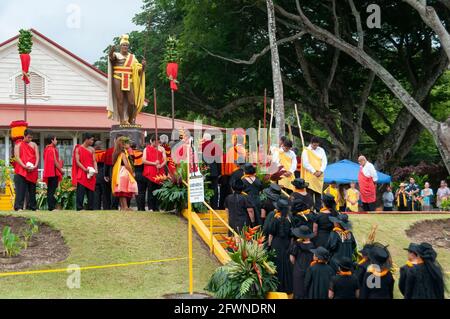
{"x": 99, "y": 22}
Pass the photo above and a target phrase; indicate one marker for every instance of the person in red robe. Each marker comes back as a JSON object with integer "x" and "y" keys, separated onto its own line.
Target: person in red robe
{"x": 212, "y": 154}
{"x": 53, "y": 170}
{"x": 84, "y": 174}
{"x": 154, "y": 162}
{"x": 170, "y": 168}
{"x": 367, "y": 179}
{"x": 26, "y": 154}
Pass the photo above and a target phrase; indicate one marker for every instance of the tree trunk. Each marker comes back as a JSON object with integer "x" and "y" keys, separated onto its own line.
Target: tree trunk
{"x": 276, "y": 71}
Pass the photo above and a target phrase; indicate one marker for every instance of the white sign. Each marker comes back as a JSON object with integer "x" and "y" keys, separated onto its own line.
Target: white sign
{"x": 197, "y": 190}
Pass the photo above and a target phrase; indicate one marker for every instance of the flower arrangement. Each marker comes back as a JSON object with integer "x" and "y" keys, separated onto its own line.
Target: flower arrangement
{"x": 250, "y": 273}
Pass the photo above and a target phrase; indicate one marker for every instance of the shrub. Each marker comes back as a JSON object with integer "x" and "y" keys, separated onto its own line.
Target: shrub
{"x": 11, "y": 243}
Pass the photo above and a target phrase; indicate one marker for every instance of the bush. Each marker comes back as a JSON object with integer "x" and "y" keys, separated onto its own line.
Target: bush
{"x": 249, "y": 274}
{"x": 11, "y": 243}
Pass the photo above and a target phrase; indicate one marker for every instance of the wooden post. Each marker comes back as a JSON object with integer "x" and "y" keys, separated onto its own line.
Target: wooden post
{"x": 265, "y": 107}
{"x": 156, "y": 116}
{"x": 191, "y": 275}
{"x": 299, "y": 126}
{"x": 24, "y": 101}
{"x": 271, "y": 123}
{"x": 173, "y": 110}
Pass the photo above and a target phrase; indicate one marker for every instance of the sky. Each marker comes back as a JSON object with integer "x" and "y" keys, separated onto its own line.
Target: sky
{"x": 84, "y": 27}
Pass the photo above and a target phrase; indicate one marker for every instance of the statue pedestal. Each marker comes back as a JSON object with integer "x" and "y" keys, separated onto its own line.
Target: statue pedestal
{"x": 134, "y": 132}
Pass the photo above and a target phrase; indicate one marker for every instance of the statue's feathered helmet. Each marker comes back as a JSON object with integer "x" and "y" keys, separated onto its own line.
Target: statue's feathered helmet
{"x": 125, "y": 39}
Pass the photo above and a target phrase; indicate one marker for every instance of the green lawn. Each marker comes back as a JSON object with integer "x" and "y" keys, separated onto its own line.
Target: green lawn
{"x": 99, "y": 238}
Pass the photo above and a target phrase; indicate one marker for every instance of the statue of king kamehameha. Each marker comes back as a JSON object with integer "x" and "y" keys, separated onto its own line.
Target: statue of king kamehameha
{"x": 126, "y": 84}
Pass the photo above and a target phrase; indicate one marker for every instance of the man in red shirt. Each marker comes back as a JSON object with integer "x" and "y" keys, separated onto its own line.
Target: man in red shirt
{"x": 85, "y": 171}
{"x": 53, "y": 170}
{"x": 154, "y": 160}
{"x": 26, "y": 154}
{"x": 101, "y": 195}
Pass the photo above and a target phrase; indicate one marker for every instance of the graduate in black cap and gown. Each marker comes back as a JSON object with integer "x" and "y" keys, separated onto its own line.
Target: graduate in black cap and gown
{"x": 318, "y": 275}
{"x": 426, "y": 279}
{"x": 301, "y": 257}
{"x": 378, "y": 282}
{"x": 279, "y": 240}
{"x": 302, "y": 214}
{"x": 253, "y": 187}
{"x": 322, "y": 224}
{"x": 363, "y": 263}
{"x": 411, "y": 262}
{"x": 239, "y": 209}
{"x": 300, "y": 192}
{"x": 341, "y": 242}
{"x": 272, "y": 194}
{"x": 344, "y": 285}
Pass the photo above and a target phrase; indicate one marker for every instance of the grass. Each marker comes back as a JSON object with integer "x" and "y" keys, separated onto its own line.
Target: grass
{"x": 100, "y": 238}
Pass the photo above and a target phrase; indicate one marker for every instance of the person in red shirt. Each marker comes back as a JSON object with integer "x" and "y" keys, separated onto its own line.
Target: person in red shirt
{"x": 53, "y": 170}
{"x": 85, "y": 171}
{"x": 154, "y": 162}
{"x": 26, "y": 154}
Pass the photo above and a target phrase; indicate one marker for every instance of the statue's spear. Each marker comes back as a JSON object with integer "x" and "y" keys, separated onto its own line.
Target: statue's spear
{"x": 145, "y": 58}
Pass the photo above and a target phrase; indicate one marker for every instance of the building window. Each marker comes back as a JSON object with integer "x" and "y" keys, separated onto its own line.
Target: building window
{"x": 65, "y": 150}
{"x": 35, "y": 88}
{"x": 2, "y": 148}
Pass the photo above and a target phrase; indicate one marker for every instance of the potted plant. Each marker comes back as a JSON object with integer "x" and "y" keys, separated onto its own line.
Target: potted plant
{"x": 4, "y": 176}
{"x": 31, "y": 229}
{"x": 12, "y": 247}
{"x": 250, "y": 273}
{"x": 25, "y": 44}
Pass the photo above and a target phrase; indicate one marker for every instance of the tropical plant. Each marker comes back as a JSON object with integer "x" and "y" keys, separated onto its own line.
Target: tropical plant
{"x": 31, "y": 229}
{"x": 65, "y": 194}
{"x": 11, "y": 243}
{"x": 445, "y": 205}
{"x": 250, "y": 273}
{"x": 25, "y": 41}
{"x": 5, "y": 172}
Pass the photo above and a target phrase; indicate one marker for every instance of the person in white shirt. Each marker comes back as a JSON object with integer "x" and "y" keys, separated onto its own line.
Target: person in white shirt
{"x": 288, "y": 160}
{"x": 367, "y": 179}
{"x": 314, "y": 163}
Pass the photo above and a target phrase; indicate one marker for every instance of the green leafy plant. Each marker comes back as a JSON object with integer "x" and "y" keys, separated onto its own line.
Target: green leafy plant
{"x": 5, "y": 172}
{"x": 25, "y": 41}
{"x": 31, "y": 229}
{"x": 11, "y": 243}
{"x": 172, "y": 53}
{"x": 445, "y": 205}
{"x": 250, "y": 273}
{"x": 65, "y": 195}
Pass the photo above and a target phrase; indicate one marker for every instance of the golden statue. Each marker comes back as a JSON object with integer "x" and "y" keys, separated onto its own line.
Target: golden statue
{"x": 126, "y": 84}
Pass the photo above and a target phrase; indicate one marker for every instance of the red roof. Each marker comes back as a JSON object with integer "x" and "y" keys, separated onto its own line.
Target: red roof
{"x": 79, "y": 118}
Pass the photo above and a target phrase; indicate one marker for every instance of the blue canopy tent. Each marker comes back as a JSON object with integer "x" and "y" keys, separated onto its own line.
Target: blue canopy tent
{"x": 345, "y": 171}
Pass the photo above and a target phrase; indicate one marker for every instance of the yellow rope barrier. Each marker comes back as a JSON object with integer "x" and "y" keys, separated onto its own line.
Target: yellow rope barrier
{"x": 47, "y": 271}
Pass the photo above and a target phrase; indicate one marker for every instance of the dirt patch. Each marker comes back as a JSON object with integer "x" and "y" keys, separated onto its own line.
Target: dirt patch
{"x": 49, "y": 249}
{"x": 435, "y": 232}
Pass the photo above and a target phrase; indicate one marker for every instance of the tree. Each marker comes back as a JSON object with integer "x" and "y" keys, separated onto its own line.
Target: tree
{"x": 439, "y": 130}
{"x": 276, "y": 69}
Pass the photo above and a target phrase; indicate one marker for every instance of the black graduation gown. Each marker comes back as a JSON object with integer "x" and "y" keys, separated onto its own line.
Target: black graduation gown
{"x": 237, "y": 205}
{"x": 420, "y": 284}
{"x": 237, "y": 174}
{"x": 383, "y": 290}
{"x": 307, "y": 199}
{"x": 280, "y": 230}
{"x": 253, "y": 190}
{"x": 317, "y": 281}
{"x": 361, "y": 270}
{"x": 324, "y": 228}
{"x": 344, "y": 287}
{"x": 404, "y": 271}
{"x": 339, "y": 248}
{"x": 269, "y": 207}
{"x": 298, "y": 220}
{"x": 303, "y": 258}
